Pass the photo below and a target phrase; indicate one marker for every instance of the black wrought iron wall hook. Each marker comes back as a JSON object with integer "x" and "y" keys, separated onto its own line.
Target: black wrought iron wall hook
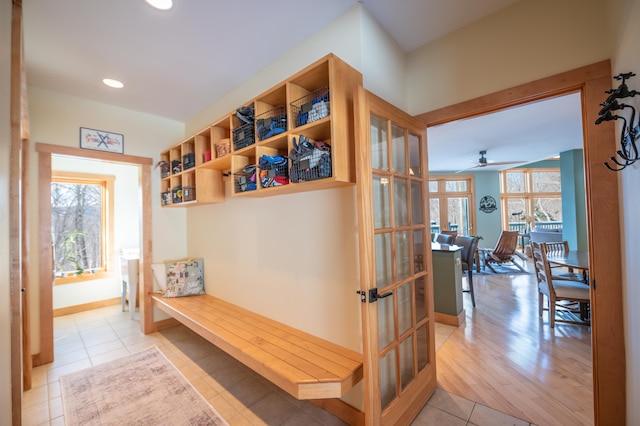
{"x": 630, "y": 132}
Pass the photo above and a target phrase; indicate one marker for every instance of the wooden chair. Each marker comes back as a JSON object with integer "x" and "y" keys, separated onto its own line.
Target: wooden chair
{"x": 560, "y": 248}
{"x": 504, "y": 251}
{"x": 558, "y": 290}
{"x": 453, "y": 233}
{"x": 444, "y": 239}
{"x": 468, "y": 254}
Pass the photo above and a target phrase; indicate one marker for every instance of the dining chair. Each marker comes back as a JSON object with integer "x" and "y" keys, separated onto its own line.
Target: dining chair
{"x": 453, "y": 233}
{"x": 558, "y": 290}
{"x": 467, "y": 256}
{"x": 444, "y": 239}
{"x": 561, "y": 248}
{"x": 504, "y": 251}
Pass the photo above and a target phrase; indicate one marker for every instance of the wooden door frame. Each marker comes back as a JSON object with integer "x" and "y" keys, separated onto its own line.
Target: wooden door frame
{"x": 18, "y": 228}
{"x": 45, "y": 151}
{"x": 412, "y": 399}
{"x": 607, "y": 325}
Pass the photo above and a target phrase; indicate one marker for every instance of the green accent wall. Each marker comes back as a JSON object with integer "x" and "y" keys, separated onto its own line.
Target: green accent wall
{"x": 488, "y": 225}
{"x": 574, "y": 209}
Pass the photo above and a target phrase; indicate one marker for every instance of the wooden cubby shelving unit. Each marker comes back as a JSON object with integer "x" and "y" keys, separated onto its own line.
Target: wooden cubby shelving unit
{"x": 203, "y": 183}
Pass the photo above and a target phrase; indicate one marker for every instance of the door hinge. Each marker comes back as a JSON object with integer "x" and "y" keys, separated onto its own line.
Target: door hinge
{"x": 373, "y": 295}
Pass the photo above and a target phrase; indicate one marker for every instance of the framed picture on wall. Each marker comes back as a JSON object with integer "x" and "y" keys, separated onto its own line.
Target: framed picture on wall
{"x": 100, "y": 140}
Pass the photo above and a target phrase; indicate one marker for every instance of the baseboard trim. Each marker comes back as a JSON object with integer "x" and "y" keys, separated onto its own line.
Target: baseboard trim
{"x": 456, "y": 320}
{"x": 86, "y": 307}
{"x": 345, "y": 412}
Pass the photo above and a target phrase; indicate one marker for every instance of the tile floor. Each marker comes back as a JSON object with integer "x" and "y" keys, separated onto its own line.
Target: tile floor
{"x": 238, "y": 394}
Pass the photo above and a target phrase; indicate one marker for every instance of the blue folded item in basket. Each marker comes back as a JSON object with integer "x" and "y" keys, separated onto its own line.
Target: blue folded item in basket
{"x": 302, "y": 118}
{"x": 274, "y": 131}
{"x": 265, "y": 160}
{"x": 271, "y": 126}
{"x": 265, "y": 132}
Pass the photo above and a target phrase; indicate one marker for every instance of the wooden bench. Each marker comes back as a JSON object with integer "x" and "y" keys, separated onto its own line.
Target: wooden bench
{"x": 305, "y": 366}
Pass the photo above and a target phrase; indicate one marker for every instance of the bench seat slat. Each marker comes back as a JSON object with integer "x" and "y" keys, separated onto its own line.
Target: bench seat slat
{"x": 296, "y": 348}
{"x": 277, "y": 349}
{"x": 305, "y": 366}
{"x": 299, "y": 337}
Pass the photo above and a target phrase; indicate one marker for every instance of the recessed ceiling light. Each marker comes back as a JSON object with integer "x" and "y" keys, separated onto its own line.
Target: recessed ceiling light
{"x": 161, "y": 4}
{"x": 113, "y": 83}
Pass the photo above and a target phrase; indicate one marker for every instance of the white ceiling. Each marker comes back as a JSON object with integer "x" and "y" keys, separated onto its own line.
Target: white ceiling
{"x": 528, "y": 133}
{"x": 176, "y": 63}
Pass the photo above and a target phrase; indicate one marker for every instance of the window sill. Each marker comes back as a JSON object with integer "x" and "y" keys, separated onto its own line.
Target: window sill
{"x": 86, "y": 276}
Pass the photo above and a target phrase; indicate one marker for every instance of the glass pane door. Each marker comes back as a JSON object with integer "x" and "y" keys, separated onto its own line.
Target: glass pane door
{"x": 395, "y": 258}
{"x": 458, "y": 215}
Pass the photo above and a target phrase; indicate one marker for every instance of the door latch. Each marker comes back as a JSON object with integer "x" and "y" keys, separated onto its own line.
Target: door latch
{"x": 373, "y": 295}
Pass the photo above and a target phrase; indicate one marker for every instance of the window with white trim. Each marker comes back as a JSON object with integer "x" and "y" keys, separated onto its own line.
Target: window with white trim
{"x": 81, "y": 230}
{"x": 531, "y": 198}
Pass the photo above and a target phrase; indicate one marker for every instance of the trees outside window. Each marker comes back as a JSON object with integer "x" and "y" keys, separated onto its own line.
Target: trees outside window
{"x": 531, "y": 197}
{"x": 80, "y": 206}
{"x": 450, "y": 198}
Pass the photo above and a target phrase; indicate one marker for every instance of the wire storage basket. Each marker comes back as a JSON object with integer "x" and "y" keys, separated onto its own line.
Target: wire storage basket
{"x": 310, "y": 108}
{"x": 272, "y": 122}
{"x": 245, "y": 180}
{"x": 189, "y": 160}
{"x": 176, "y": 194}
{"x": 274, "y": 171}
{"x": 165, "y": 169}
{"x": 244, "y": 134}
{"x": 309, "y": 160}
{"x": 165, "y": 198}
{"x": 188, "y": 193}
{"x": 176, "y": 166}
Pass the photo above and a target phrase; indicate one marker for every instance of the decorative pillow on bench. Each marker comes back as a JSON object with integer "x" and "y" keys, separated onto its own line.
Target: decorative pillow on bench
{"x": 184, "y": 278}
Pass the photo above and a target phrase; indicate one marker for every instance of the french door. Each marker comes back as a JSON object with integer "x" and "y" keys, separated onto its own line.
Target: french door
{"x": 396, "y": 287}
{"x": 450, "y": 199}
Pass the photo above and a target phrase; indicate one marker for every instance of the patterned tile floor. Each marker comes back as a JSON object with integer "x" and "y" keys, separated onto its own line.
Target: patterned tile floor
{"x": 238, "y": 394}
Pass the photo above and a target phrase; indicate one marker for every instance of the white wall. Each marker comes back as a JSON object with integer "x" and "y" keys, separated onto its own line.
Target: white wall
{"x": 277, "y": 256}
{"x": 56, "y": 119}
{"x": 624, "y": 24}
{"x": 523, "y": 42}
{"x": 5, "y": 146}
{"x": 126, "y": 232}
{"x": 383, "y": 63}
{"x": 339, "y": 37}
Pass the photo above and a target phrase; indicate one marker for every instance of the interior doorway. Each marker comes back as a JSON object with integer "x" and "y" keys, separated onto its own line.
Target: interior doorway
{"x": 96, "y": 208}
{"x": 45, "y": 153}
{"x": 604, "y": 226}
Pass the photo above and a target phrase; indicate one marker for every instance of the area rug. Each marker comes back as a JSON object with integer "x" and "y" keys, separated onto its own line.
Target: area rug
{"x": 142, "y": 389}
{"x": 501, "y": 269}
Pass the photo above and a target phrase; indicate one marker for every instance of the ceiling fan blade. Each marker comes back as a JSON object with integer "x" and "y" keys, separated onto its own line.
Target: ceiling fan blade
{"x": 490, "y": 163}
{"x": 470, "y": 168}
{"x": 503, "y": 163}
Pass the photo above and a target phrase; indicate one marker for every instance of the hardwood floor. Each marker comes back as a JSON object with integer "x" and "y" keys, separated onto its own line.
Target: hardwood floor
{"x": 507, "y": 358}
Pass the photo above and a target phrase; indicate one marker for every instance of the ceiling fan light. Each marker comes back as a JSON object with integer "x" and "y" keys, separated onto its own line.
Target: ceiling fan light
{"x": 161, "y": 4}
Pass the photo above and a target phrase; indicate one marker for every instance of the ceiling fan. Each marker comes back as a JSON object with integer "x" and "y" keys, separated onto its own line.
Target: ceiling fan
{"x": 483, "y": 162}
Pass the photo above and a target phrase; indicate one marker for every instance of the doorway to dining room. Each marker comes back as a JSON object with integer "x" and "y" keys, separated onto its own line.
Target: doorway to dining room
{"x": 601, "y": 188}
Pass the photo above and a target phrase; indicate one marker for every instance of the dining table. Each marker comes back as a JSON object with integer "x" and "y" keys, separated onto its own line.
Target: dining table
{"x": 576, "y": 259}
